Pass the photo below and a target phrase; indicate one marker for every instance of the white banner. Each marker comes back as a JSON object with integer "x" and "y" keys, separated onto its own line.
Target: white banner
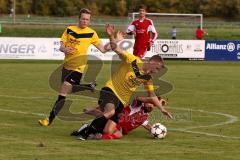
{"x": 192, "y": 49}
{"x": 48, "y": 49}
{"x": 30, "y": 48}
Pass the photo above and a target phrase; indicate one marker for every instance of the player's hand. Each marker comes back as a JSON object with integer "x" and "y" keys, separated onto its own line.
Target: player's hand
{"x": 150, "y": 43}
{"x": 69, "y": 50}
{"x": 163, "y": 102}
{"x": 110, "y": 29}
{"x": 166, "y": 113}
{"x": 120, "y": 36}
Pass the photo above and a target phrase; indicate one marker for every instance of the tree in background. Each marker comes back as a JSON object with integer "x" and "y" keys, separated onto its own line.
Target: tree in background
{"x": 211, "y": 8}
{"x": 23, "y": 7}
{"x": 39, "y": 8}
{"x": 93, "y": 6}
{"x": 222, "y": 8}
{"x": 120, "y": 7}
{"x": 4, "y": 6}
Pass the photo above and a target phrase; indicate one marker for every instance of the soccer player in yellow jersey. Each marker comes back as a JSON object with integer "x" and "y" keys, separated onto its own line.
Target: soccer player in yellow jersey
{"x": 120, "y": 87}
{"x": 74, "y": 44}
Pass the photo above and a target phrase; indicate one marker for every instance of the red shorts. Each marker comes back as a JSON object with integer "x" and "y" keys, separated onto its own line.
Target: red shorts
{"x": 140, "y": 52}
{"x": 119, "y": 127}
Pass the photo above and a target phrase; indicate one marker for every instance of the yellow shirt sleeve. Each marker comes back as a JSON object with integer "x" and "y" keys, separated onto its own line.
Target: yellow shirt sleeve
{"x": 64, "y": 36}
{"x": 95, "y": 39}
{"x": 148, "y": 86}
{"x": 128, "y": 57}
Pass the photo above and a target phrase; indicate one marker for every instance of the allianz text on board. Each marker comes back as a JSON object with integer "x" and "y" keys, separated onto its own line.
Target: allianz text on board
{"x": 222, "y": 50}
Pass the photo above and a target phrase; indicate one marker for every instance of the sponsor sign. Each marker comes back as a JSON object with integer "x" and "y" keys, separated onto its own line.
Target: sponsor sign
{"x": 30, "y": 48}
{"x": 48, "y": 49}
{"x": 190, "y": 49}
{"x": 222, "y": 50}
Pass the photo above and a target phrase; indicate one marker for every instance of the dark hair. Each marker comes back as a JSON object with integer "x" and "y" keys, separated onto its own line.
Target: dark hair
{"x": 84, "y": 10}
{"x": 142, "y": 6}
{"x": 157, "y": 58}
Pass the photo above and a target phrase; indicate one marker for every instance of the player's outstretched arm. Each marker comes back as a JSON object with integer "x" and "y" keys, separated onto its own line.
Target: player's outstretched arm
{"x": 145, "y": 99}
{"x": 105, "y": 48}
{"x": 154, "y": 100}
{"x": 110, "y": 29}
{"x": 148, "y": 127}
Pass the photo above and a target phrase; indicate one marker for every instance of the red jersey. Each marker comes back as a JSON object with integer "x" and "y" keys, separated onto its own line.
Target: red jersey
{"x": 142, "y": 28}
{"x": 131, "y": 118}
{"x": 199, "y": 33}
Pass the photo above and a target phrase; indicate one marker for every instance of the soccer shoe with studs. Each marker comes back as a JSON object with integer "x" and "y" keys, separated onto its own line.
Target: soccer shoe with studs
{"x": 44, "y": 122}
{"x": 77, "y": 132}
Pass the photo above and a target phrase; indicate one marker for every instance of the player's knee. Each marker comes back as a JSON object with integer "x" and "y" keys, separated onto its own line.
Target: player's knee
{"x": 110, "y": 127}
{"x": 65, "y": 88}
{"x": 109, "y": 114}
{"x": 118, "y": 134}
{"x": 109, "y": 110}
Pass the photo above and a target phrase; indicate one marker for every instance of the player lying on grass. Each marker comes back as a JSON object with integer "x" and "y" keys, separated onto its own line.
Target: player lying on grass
{"x": 132, "y": 117}
{"x": 118, "y": 90}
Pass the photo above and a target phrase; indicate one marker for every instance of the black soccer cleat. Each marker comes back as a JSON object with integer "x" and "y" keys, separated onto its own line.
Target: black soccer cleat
{"x": 74, "y": 133}
{"x": 77, "y": 132}
{"x": 83, "y": 134}
{"x": 82, "y": 138}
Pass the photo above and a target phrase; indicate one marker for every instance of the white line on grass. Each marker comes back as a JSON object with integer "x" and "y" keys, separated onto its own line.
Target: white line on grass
{"x": 21, "y": 97}
{"x": 207, "y": 134}
{"x": 232, "y": 119}
{"x": 21, "y": 112}
{"x": 40, "y": 97}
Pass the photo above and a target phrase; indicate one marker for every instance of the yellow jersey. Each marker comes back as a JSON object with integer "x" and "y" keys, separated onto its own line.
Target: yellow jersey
{"x": 80, "y": 39}
{"x": 128, "y": 77}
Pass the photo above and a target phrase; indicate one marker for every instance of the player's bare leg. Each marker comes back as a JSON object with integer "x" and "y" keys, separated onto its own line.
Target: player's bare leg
{"x": 110, "y": 127}
{"x": 95, "y": 111}
{"x": 110, "y": 131}
{"x": 99, "y": 123}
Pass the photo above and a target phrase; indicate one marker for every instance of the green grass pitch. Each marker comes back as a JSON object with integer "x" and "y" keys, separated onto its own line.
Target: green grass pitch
{"x": 205, "y": 102}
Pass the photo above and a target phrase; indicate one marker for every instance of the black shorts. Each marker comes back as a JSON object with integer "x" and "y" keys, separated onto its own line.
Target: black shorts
{"x": 108, "y": 96}
{"x": 73, "y": 77}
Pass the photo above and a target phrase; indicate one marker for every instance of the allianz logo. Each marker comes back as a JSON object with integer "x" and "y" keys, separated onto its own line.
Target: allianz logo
{"x": 230, "y": 46}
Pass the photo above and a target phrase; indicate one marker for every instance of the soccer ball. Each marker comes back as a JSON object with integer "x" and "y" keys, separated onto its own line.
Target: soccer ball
{"x": 159, "y": 131}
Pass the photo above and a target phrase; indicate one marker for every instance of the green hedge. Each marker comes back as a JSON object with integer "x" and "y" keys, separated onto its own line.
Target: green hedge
{"x": 57, "y": 30}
